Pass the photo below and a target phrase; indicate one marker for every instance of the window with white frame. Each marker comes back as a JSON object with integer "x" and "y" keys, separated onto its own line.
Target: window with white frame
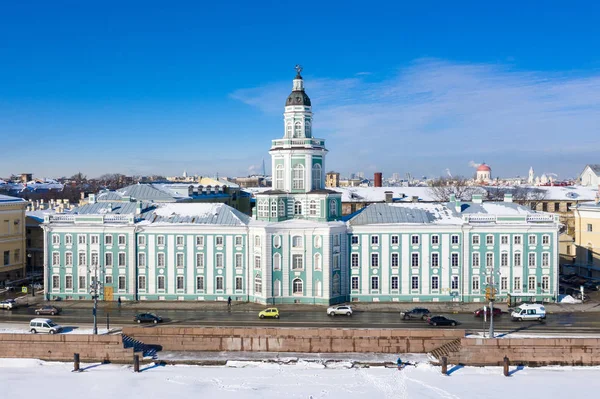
{"x": 394, "y": 283}
{"x": 454, "y": 283}
{"x": 122, "y": 259}
{"x": 68, "y": 258}
{"x": 317, "y": 262}
{"x": 219, "y": 241}
{"x": 81, "y": 239}
{"x": 180, "y": 283}
{"x": 55, "y": 259}
{"x": 297, "y": 242}
{"x": 279, "y": 177}
{"x": 141, "y": 259}
{"x": 141, "y": 240}
{"x": 199, "y": 283}
{"x": 239, "y": 241}
{"x": 298, "y": 129}
{"x": 589, "y": 228}
{"x": 435, "y": 240}
{"x": 179, "y": 241}
{"x": 332, "y": 207}
{"x": 355, "y": 283}
{"x": 95, "y": 260}
{"x": 354, "y": 240}
{"x": 297, "y": 208}
{"x": 374, "y": 240}
{"x": 257, "y": 241}
{"x": 375, "y": 283}
{"x": 108, "y": 239}
{"x": 55, "y": 239}
{"x": 504, "y": 240}
{"x": 239, "y": 261}
{"x": 277, "y": 241}
{"x": 219, "y": 283}
{"x": 142, "y": 283}
{"x": 475, "y": 283}
{"x": 489, "y": 259}
{"x": 414, "y": 283}
{"x": 414, "y": 259}
{"x": 219, "y": 260}
{"x": 517, "y": 240}
{"x": 316, "y": 176}
{"x": 503, "y": 283}
{"x": 277, "y": 288}
{"x": 354, "y": 260}
{"x": 239, "y": 283}
{"x": 435, "y": 259}
{"x": 273, "y": 209}
{"x": 257, "y": 263}
{"x": 258, "y": 284}
{"x": 263, "y": 208}
{"x": 297, "y": 262}
{"x": 395, "y": 240}
{"x": 545, "y": 239}
{"x": 179, "y": 260}
{"x": 517, "y": 260}
{"x": 532, "y": 239}
{"x": 489, "y": 239}
{"x": 108, "y": 259}
{"x": 68, "y": 239}
{"x": 82, "y": 284}
{"x": 435, "y": 283}
{"x": 298, "y": 177}
{"x": 504, "y": 259}
{"x": 375, "y": 260}
{"x": 122, "y": 286}
{"x": 199, "y": 241}
{"x": 454, "y": 239}
{"x": 122, "y": 239}
{"x": 475, "y": 240}
{"x": 454, "y": 259}
{"x": 297, "y": 287}
{"x": 531, "y": 262}
{"x": 82, "y": 259}
{"x": 414, "y": 240}
{"x": 55, "y": 282}
{"x": 545, "y": 283}
{"x": 517, "y": 284}
{"x": 68, "y": 282}
{"x": 160, "y": 259}
{"x": 531, "y": 284}
{"x": 160, "y": 241}
{"x": 395, "y": 260}
{"x": 545, "y": 259}
{"x": 281, "y": 208}
{"x": 475, "y": 259}
{"x": 160, "y": 283}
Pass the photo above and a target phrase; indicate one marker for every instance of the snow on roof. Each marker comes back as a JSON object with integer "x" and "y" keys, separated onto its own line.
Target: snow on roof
{"x": 566, "y": 193}
{"x": 403, "y": 213}
{"x": 197, "y": 213}
{"x": 39, "y": 214}
{"x": 6, "y": 198}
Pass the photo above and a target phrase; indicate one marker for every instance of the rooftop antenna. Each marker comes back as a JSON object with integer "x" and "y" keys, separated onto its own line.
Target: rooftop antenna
{"x": 264, "y": 172}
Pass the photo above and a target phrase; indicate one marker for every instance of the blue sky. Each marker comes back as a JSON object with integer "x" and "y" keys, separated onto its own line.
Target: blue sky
{"x": 144, "y": 87}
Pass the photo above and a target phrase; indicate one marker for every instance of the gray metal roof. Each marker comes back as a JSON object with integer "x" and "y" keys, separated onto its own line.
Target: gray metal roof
{"x": 147, "y": 192}
{"x": 109, "y": 196}
{"x": 113, "y": 208}
{"x": 223, "y": 215}
{"x": 383, "y": 213}
{"x": 595, "y": 167}
{"x": 6, "y": 198}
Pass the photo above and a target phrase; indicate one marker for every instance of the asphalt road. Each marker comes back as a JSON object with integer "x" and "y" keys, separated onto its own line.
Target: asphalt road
{"x": 568, "y": 323}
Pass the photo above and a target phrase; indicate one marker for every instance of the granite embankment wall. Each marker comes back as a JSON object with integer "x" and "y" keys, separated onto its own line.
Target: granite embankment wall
{"x": 528, "y": 351}
{"x": 62, "y": 347}
{"x": 305, "y": 340}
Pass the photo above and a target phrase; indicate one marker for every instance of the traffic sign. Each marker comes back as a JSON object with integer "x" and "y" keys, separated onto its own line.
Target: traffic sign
{"x": 24, "y": 290}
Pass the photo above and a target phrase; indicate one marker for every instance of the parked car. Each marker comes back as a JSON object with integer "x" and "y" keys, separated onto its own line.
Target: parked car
{"x": 44, "y": 326}
{"x": 8, "y": 304}
{"x": 48, "y": 309}
{"x": 591, "y": 286}
{"x": 269, "y": 312}
{"x": 416, "y": 313}
{"x": 529, "y": 311}
{"x": 479, "y": 312}
{"x": 342, "y": 309}
{"x": 147, "y": 318}
{"x": 441, "y": 321}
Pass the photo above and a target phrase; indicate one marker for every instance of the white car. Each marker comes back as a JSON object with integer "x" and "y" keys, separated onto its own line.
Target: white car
{"x": 8, "y": 304}
{"x": 339, "y": 310}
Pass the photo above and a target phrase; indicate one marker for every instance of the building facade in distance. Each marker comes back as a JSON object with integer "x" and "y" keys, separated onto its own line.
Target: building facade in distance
{"x": 12, "y": 239}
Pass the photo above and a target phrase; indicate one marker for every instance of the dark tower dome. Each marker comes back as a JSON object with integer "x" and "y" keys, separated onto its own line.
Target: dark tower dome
{"x": 298, "y": 96}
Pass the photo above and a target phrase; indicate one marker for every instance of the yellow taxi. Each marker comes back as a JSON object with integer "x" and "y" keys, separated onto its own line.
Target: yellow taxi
{"x": 269, "y": 312}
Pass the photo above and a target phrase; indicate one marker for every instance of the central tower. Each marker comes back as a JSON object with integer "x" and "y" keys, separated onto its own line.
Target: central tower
{"x": 298, "y": 167}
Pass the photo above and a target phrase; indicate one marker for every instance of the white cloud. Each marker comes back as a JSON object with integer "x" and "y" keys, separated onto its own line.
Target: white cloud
{"x": 433, "y": 113}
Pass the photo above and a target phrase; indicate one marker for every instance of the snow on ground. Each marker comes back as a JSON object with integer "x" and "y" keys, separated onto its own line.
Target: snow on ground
{"x": 302, "y": 380}
{"x": 24, "y": 329}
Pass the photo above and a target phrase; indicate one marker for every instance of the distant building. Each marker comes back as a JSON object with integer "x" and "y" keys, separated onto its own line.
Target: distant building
{"x": 12, "y": 239}
{"x": 587, "y": 239}
{"x": 484, "y": 173}
{"x": 590, "y": 175}
{"x": 332, "y": 179}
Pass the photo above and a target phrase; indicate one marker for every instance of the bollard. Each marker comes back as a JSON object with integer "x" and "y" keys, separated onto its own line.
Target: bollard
{"x": 107, "y": 322}
{"x": 136, "y": 363}
{"x": 506, "y": 364}
{"x": 444, "y": 365}
{"x": 76, "y": 362}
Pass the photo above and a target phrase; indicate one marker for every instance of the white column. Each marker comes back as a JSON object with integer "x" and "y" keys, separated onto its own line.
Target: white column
{"x": 445, "y": 264}
{"x": 229, "y": 266}
{"x": 151, "y": 261}
{"x": 365, "y": 264}
{"x": 384, "y": 264}
{"x": 190, "y": 265}
{"x": 425, "y": 264}
{"x": 308, "y": 263}
{"x": 170, "y": 264}
{"x": 285, "y": 264}
{"x": 132, "y": 270}
{"x": 209, "y": 256}
{"x": 405, "y": 265}
{"x": 308, "y": 174}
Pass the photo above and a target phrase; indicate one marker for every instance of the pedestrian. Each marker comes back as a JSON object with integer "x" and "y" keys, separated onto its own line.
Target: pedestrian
{"x": 119, "y": 302}
{"x": 229, "y": 303}
{"x": 399, "y": 363}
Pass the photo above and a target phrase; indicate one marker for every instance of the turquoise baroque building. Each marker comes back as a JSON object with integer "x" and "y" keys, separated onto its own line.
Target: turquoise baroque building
{"x": 296, "y": 248}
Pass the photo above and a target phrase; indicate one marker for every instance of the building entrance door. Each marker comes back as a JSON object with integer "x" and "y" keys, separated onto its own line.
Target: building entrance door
{"x": 108, "y": 293}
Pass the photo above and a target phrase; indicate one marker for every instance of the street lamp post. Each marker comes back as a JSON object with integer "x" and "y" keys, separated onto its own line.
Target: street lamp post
{"x": 95, "y": 291}
{"x": 30, "y": 261}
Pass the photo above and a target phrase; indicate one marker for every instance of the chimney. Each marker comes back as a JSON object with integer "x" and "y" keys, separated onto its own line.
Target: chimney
{"x": 477, "y": 199}
{"x": 452, "y": 198}
{"x": 508, "y": 197}
{"x": 82, "y": 195}
{"x": 92, "y": 198}
{"x": 138, "y": 208}
{"x": 378, "y": 178}
{"x": 458, "y": 206}
{"x": 415, "y": 198}
{"x": 388, "y": 196}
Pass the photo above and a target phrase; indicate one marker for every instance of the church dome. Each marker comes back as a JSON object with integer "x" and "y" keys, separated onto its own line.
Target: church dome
{"x": 297, "y": 97}
{"x": 484, "y": 168}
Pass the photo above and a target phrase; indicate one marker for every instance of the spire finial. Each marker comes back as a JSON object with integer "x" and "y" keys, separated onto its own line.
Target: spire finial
{"x": 298, "y": 69}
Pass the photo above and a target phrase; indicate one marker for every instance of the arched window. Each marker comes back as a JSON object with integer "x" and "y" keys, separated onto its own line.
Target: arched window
{"x": 298, "y": 129}
{"x": 317, "y": 241}
{"x": 317, "y": 262}
{"x": 297, "y": 286}
{"x": 274, "y": 209}
{"x": 316, "y": 176}
{"x": 335, "y": 282}
{"x": 279, "y": 177}
{"x": 258, "y": 285}
{"x": 297, "y": 208}
{"x": 312, "y": 208}
{"x": 277, "y": 241}
{"x": 288, "y": 130}
{"x": 298, "y": 181}
{"x": 307, "y": 132}
{"x": 333, "y": 208}
{"x": 276, "y": 262}
{"x": 263, "y": 209}
{"x": 281, "y": 208}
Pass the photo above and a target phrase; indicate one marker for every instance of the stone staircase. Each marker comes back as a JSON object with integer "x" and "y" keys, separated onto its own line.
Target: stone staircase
{"x": 448, "y": 349}
{"x": 148, "y": 351}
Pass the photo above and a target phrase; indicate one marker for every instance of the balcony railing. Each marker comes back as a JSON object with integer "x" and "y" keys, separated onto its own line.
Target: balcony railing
{"x": 288, "y": 143}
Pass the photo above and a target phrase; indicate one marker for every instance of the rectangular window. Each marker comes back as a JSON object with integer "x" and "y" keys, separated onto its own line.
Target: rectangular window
{"x": 454, "y": 259}
{"x": 489, "y": 239}
{"x": 395, "y": 260}
{"x": 55, "y": 258}
{"x": 180, "y": 283}
{"x": 219, "y": 260}
{"x": 142, "y": 283}
{"x": 82, "y": 286}
{"x": 475, "y": 259}
{"x": 504, "y": 240}
{"x": 531, "y": 283}
{"x": 69, "y": 259}
{"x": 239, "y": 283}
{"x": 141, "y": 240}
{"x": 108, "y": 259}
{"x": 589, "y": 228}
{"x": 179, "y": 260}
{"x": 503, "y": 283}
{"x": 17, "y": 255}
{"x": 531, "y": 260}
{"x": 69, "y": 239}
{"x": 238, "y": 241}
{"x": 199, "y": 283}
{"x": 161, "y": 283}
{"x": 141, "y": 259}
{"x": 94, "y": 239}
{"x": 556, "y": 206}
{"x": 6, "y": 258}
{"x": 121, "y": 239}
{"x": 82, "y": 259}
{"x": 219, "y": 241}
{"x": 414, "y": 240}
{"x": 545, "y": 259}
{"x": 545, "y": 240}
{"x": 475, "y": 283}
{"x": 55, "y": 239}
{"x": 219, "y": 283}
{"x": 504, "y": 259}
{"x": 532, "y": 240}
{"x": 435, "y": 259}
{"x": 375, "y": 283}
{"x": 179, "y": 241}
{"x": 108, "y": 279}
{"x": 475, "y": 240}
{"x": 435, "y": 283}
{"x": 160, "y": 241}
{"x": 517, "y": 240}
{"x": 257, "y": 241}
{"x": 517, "y": 284}
{"x": 546, "y": 283}
{"x": 68, "y": 282}
{"x": 374, "y": 240}
{"x": 239, "y": 261}
{"x": 95, "y": 259}
{"x": 297, "y": 262}
{"x": 454, "y": 283}
{"x": 394, "y": 282}
{"x": 108, "y": 240}
{"x": 55, "y": 282}
{"x": 454, "y": 239}
{"x": 354, "y": 283}
{"x": 257, "y": 264}
{"x": 199, "y": 241}
{"x": 489, "y": 259}
{"x": 435, "y": 240}
{"x": 415, "y": 259}
{"x": 122, "y": 257}
{"x": 354, "y": 260}
{"x": 200, "y": 260}
{"x": 354, "y": 240}
{"x": 395, "y": 240}
{"x": 81, "y": 239}
{"x": 160, "y": 259}
{"x": 414, "y": 283}
{"x": 374, "y": 260}
{"x": 122, "y": 285}
{"x": 517, "y": 261}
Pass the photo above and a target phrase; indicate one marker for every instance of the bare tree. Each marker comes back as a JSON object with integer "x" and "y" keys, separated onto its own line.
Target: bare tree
{"x": 530, "y": 196}
{"x": 442, "y": 188}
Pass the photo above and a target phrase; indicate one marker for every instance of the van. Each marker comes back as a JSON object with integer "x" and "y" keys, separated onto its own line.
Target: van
{"x": 529, "y": 311}
{"x": 44, "y": 326}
